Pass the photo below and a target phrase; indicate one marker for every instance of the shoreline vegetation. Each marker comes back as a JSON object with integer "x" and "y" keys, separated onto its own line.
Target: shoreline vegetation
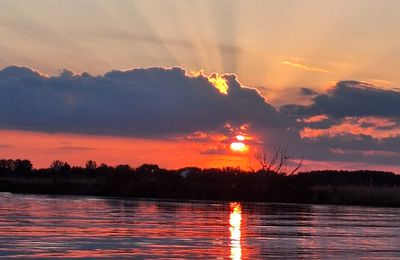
{"x": 364, "y": 188}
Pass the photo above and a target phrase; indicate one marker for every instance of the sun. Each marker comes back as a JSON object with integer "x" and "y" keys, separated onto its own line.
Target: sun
{"x": 219, "y": 83}
{"x": 239, "y": 145}
{"x": 240, "y": 138}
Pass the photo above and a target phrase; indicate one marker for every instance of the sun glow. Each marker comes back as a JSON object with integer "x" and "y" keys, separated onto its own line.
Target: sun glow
{"x": 238, "y": 147}
{"x": 219, "y": 83}
{"x": 240, "y": 138}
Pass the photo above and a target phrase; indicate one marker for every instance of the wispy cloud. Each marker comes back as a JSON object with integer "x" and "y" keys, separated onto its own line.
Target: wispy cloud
{"x": 305, "y": 67}
{"x": 74, "y": 148}
{"x": 6, "y": 146}
{"x": 380, "y": 82}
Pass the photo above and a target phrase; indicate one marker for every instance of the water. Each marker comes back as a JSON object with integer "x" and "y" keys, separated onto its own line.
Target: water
{"x": 33, "y": 226}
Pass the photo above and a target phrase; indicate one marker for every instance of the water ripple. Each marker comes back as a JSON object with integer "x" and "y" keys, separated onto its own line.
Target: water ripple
{"x": 33, "y": 226}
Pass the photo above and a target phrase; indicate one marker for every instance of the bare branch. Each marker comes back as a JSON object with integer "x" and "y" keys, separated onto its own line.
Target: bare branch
{"x": 298, "y": 166}
{"x": 278, "y": 162}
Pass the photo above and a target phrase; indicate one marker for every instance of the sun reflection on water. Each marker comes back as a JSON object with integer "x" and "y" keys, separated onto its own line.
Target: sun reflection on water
{"x": 235, "y": 220}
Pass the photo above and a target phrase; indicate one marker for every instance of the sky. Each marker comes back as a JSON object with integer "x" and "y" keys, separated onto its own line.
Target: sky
{"x": 174, "y": 82}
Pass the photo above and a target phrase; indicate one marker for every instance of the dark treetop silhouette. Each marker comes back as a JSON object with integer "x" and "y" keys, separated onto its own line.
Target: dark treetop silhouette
{"x": 149, "y": 180}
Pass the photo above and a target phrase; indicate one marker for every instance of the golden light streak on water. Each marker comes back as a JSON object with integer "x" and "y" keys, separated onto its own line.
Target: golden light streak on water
{"x": 235, "y": 221}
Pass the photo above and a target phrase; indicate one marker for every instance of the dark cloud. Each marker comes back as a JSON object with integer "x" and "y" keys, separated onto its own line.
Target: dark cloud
{"x": 367, "y": 124}
{"x": 138, "y": 102}
{"x": 159, "y": 102}
{"x": 347, "y": 102}
{"x": 324, "y": 123}
{"x": 351, "y": 98}
{"x": 308, "y": 92}
{"x": 354, "y": 148}
{"x": 395, "y": 125}
{"x": 356, "y": 104}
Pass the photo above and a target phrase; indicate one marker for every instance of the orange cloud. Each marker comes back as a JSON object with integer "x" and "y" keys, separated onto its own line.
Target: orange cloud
{"x": 373, "y": 126}
{"x": 314, "y": 119}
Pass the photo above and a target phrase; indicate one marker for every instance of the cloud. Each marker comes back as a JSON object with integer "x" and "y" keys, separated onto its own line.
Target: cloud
{"x": 305, "y": 67}
{"x": 163, "y": 103}
{"x": 74, "y": 148}
{"x": 351, "y": 98}
{"x": 380, "y": 82}
{"x": 354, "y": 148}
{"x": 6, "y": 146}
{"x": 221, "y": 150}
{"x": 353, "y": 121}
{"x": 137, "y": 102}
{"x": 308, "y": 92}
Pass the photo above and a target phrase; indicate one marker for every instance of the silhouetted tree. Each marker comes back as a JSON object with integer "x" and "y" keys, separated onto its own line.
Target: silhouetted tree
{"x": 22, "y": 166}
{"x": 7, "y": 166}
{"x": 123, "y": 168}
{"x": 91, "y": 165}
{"x": 103, "y": 165}
{"x": 60, "y": 166}
{"x": 148, "y": 168}
{"x": 104, "y": 168}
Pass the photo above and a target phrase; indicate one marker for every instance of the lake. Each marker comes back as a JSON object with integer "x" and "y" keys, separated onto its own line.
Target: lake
{"x": 35, "y": 226}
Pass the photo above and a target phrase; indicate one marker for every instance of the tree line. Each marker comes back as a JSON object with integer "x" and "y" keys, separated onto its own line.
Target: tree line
{"x": 151, "y": 181}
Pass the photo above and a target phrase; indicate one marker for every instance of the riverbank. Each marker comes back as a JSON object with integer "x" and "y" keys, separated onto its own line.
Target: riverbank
{"x": 367, "y": 188}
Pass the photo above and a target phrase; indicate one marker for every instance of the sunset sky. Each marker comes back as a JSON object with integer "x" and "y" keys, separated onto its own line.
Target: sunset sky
{"x": 175, "y": 82}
